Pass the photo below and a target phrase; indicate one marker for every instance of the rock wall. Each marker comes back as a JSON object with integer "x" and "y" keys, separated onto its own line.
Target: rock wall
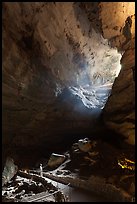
{"x": 38, "y": 60}
{"x": 119, "y": 112}
{"x": 48, "y": 47}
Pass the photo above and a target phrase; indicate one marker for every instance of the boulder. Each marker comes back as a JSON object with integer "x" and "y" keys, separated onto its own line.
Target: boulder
{"x": 84, "y": 145}
{"x": 55, "y": 160}
{"x": 9, "y": 171}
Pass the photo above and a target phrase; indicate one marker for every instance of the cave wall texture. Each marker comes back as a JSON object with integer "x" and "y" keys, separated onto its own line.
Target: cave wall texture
{"x": 46, "y": 46}
{"x": 119, "y": 112}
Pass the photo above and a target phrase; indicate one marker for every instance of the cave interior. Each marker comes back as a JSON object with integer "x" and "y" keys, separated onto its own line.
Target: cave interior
{"x": 68, "y": 73}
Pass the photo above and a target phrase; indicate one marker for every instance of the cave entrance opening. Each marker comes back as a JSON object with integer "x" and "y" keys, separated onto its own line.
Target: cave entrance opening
{"x": 84, "y": 97}
{"x": 94, "y": 82}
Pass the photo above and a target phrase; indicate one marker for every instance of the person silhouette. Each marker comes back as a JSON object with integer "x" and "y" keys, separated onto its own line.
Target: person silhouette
{"x": 41, "y": 170}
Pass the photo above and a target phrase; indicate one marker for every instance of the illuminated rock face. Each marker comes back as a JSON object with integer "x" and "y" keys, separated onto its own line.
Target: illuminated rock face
{"x": 48, "y": 47}
{"x": 119, "y": 112}
{"x": 116, "y": 22}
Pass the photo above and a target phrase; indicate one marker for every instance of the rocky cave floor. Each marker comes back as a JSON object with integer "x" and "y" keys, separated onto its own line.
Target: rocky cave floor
{"x": 100, "y": 165}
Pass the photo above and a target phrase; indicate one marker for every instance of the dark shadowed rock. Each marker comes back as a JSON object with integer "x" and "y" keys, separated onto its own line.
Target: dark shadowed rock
{"x": 9, "y": 171}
